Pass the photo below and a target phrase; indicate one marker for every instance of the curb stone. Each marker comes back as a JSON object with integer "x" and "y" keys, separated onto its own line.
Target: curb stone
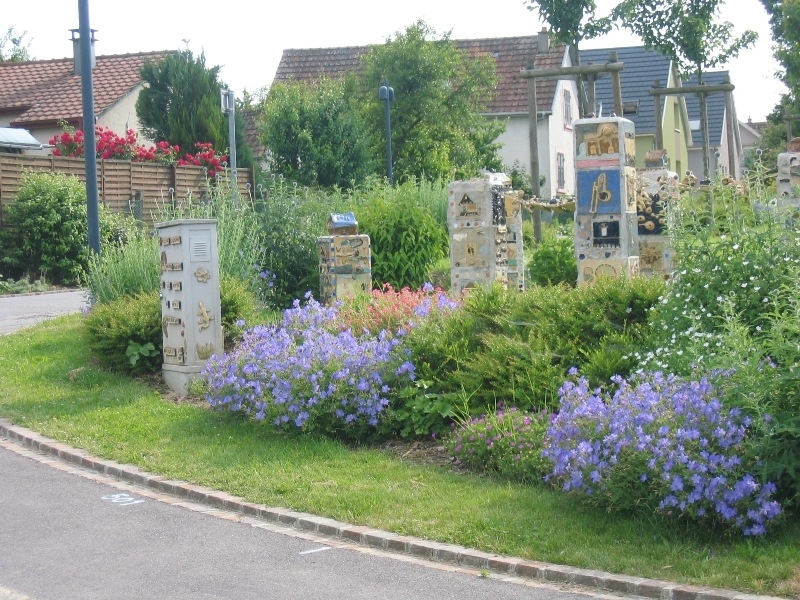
{"x": 374, "y": 538}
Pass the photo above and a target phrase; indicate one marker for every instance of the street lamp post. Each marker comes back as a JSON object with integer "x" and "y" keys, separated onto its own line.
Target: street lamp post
{"x": 386, "y": 94}
{"x": 84, "y": 60}
{"x": 228, "y": 103}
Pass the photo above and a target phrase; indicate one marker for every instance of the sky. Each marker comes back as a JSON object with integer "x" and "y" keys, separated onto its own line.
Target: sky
{"x": 246, "y": 38}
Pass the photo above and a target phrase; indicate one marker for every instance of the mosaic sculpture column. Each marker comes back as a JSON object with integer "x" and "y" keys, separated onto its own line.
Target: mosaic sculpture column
{"x": 484, "y": 217}
{"x": 606, "y": 228}
{"x": 658, "y": 187}
{"x": 344, "y": 259}
{"x": 789, "y": 179}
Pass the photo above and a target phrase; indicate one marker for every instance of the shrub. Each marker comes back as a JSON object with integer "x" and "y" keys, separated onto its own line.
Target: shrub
{"x": 304, "y": 374}
{"x": 552, "y": 261}
{"x": 508, "y": 443}
{"x": 659, "y": 444}
{"x": 128, "y": 322}
{"x": 127, "y": 325}
{"x": 514, "y": 349}
{"x": 726, "y": 251}
{"x": 238, "y": 306}
{"x": 46, "y": 233}
{"x": 405, "y": 238}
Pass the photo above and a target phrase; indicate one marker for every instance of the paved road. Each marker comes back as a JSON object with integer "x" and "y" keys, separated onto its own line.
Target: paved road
{"x": 22, "y": 310}
{"x": 66, "y": 536}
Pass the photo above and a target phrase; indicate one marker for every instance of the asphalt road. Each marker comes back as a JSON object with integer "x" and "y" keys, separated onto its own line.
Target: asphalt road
{"x": 64, "y": 536}
{"x": 22, "y": 310}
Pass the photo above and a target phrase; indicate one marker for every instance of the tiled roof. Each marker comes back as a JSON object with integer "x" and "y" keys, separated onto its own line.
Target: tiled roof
{"x": 46, "y": 91}
{"x": 715, "y": 107}
{"x": 642, "y": 68}
{"x": 510, "y": 54}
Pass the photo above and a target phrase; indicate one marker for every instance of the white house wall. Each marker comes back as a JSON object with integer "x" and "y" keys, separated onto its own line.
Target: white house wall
{"x": 553, "y": 136}
{"x": 121, "y": 116}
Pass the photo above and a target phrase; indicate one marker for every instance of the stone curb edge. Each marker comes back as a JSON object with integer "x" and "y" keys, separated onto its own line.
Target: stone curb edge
{"x": 374, "y": 538}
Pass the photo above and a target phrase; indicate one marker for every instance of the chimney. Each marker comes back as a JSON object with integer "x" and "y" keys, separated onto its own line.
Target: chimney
{"x": 543, "y": 41}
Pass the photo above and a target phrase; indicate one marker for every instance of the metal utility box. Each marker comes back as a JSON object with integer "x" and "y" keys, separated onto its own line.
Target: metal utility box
{"x": 190, "y": 298}
{"x": 606, "y": 223}
{"x": 485, "y": 223}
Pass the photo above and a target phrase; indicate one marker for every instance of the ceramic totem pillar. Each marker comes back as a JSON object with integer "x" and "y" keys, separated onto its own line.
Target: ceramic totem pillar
{"x": 606, "y": 228}
{"x": 658, "y": 186}
{"x": 484, "y": 217}
{"x": 344, "y": 259}
{"x": 789, "y": 179}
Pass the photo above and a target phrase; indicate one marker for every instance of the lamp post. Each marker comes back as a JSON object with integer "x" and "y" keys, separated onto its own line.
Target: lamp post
{"x": 386, "y": 94}
{"x": 85, "y": 62}
{"x": 228, "y": 103}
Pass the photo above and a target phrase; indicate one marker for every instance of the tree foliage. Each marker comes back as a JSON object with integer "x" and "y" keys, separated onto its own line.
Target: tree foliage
{"x": 440, "y": 92}
{"x": 685, "y": 31}
{"x": 315, "y": 134}
{"x": 13, "y": 47}
{"x": 571, "y": 22}
{"x": 180, "y": 103}
{"x": 784, "y": 18}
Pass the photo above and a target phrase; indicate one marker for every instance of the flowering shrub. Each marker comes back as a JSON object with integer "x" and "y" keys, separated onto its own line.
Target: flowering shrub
{"x": 507, "y": 442}
{"x": 662, "y": 444}
{"x": 206, "y": 157}
{"x": 731, "y": 257}
{"x": 392, "y": 310}
{"x": 113, "y": 146}
{"x": 305, "y": 373}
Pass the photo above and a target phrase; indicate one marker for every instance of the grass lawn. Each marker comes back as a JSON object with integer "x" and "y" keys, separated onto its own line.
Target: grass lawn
{"x": 48, "y": 384}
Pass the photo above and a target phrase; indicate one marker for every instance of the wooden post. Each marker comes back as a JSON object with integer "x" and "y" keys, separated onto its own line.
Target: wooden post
{"x": 533, "y": 141}
{"x": 591, "y": 102}
{"x": 659, "y": 141}
{"x": 706, "y": 142}
{"x": 616, "y": 86}
{"x": 733, "y": 171}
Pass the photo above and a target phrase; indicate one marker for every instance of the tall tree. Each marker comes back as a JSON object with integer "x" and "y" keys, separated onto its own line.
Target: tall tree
{"x": 685, "y": 31}
{"x": 180, "y": 102}
{"x": 13, "y": 47}
{"x": 439, "y": 93}
{"x": 784, "y": 18}
{"x": 315, "y": 134}
{"x": 571, "y": 22}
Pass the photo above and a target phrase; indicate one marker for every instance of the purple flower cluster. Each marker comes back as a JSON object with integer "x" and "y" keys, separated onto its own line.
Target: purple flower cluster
{"x": 661, "y": 437}
{"x": 306, "y": 368}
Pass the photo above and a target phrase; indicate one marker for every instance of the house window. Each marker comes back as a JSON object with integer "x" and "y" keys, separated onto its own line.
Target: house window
{"x": 560, "y": 171}
{"x": 567, "y": 110}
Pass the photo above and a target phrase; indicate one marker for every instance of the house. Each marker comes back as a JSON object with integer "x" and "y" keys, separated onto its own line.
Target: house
{"x": 642, "y": 68}
{"x": 41, "y": 95}
{"x": 719, "y": 144}
{"x": 556, "y": 99}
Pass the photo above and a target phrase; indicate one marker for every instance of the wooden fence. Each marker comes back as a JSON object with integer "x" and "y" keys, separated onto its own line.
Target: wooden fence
{"x": 136, "y": 188}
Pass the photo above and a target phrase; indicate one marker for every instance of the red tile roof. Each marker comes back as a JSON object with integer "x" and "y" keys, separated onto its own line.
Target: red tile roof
{"x": 46, "y": 91}
{"x": 511, "y": 55}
